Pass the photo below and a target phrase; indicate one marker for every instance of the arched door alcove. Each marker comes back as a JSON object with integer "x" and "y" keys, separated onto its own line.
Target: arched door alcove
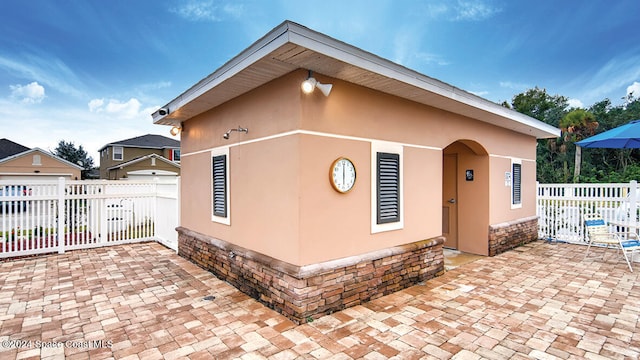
{"x": 465, "y": 197}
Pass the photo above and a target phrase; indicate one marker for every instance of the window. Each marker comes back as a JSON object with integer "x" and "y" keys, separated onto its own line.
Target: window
{"x": 175, "y": 155}
{"x": 516, "y": 184}
{"x": 219, "y": 186}
{"x": 118, "y": 153}
{"x": 388, "y": 188}
{"x": 37, "y": 160}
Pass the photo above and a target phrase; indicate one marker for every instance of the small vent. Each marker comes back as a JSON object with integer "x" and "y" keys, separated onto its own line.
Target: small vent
{"x": 388, "y": 188}
{"x": 220, "y": 185}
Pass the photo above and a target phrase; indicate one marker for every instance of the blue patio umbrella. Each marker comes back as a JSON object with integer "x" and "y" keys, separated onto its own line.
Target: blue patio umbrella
{"x": 626, "y": 136}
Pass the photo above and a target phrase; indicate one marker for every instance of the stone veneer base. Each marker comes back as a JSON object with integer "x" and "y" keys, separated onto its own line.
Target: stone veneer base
{"x": 508, "y": 235}
{"x": 306, "y": 292}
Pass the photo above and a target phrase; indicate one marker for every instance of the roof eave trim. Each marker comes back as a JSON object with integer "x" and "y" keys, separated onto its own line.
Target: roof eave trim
{"x": 271, "y": 41}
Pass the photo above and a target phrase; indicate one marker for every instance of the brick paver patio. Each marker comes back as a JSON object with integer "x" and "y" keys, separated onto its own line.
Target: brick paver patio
{"x": 142, "y": 301}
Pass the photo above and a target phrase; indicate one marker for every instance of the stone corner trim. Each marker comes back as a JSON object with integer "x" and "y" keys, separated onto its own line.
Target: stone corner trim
{"x": 508, "y": 235}
{"x": 306, "y": 292}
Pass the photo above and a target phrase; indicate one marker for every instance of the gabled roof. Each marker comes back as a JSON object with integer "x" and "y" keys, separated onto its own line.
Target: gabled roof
{"x": 291, "y": 46}
{"x": 9, "y": 148}
{"x": 148, "y": 141}
{"x": 142, "y": 158}
{"x": 43, "y": 152}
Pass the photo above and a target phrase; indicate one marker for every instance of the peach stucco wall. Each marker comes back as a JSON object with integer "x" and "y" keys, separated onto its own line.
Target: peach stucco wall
{"x": 334, "y": 225}
{"x": 49, "y": 166}
{"x": 281, "y": 201}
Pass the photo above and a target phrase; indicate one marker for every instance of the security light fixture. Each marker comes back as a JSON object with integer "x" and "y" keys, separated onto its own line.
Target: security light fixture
{"x": 311, "y": 83}
{"x": 175, "y": 130}
{"x": 239, "y": 129}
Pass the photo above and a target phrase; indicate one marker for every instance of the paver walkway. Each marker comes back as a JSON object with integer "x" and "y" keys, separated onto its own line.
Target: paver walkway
{"x": 142, "y": 301}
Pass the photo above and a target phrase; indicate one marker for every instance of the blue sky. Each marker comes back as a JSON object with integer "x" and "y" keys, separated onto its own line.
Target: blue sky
{"x": 92, "y": 71}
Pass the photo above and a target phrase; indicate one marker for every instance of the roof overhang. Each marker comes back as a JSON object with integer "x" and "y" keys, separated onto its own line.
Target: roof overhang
{"x": 291, "y": 46}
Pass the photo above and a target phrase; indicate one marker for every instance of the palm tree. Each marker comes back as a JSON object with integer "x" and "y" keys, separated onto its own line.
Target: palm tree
{"x": 578, "y": 124}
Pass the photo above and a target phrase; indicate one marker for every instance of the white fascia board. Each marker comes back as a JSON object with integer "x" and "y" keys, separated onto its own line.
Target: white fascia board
{"x": 273, "y": 40}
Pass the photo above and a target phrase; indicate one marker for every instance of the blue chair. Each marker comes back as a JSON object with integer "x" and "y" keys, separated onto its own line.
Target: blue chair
{"x": 599, "y": 235}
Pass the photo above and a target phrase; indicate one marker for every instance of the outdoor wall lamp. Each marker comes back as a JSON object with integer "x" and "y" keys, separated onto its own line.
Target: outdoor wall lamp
{"x": 311, "y": 83}
{"x": 239, "y": 129}
{"x": 175, "y": 130}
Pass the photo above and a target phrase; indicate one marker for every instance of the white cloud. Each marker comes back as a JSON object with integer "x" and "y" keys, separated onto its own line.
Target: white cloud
{"x": 95, "y": 105}
{"x": 432, "y": 59}
{"x": 234, "y": 9}
{"x": 208, "y": 10}
{"x": 32, "y": 93}
{"x": 155, "y": 86}
{"x": 474, "y": 10}
{"x": 47, "y": 69}
{"x": 575, "y": 103}
{"x": 116, "y": 108}
{"x": 461, "y": 10}
{"x": 514, "y": 86}
{"x": 634, "y": 90}
{"x": 49, "y": 123}
{"x": 611, "y": 79}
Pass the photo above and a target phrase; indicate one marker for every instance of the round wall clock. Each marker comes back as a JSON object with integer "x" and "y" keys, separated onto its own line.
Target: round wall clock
{"x": 342, "y": 175}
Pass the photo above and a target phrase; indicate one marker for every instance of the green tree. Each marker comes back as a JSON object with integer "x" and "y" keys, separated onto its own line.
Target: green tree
{"x": 551, "y": 154}
{"x": 540, "y": 105}
{"x": 578, "y": 124}
{"x": 78, "y": 156}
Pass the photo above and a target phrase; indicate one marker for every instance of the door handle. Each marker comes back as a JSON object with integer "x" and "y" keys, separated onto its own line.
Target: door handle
{"x": 452, "y": 201}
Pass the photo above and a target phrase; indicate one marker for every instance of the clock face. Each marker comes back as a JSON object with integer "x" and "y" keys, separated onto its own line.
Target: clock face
{"x": 342, "y": 175}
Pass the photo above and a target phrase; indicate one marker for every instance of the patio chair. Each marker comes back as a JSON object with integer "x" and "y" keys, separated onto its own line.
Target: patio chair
{"x": 600, "y": 235}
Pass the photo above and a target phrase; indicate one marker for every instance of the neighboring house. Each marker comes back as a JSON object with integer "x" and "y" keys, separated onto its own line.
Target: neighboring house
{"x": 313, "y": 202}
{"x": 147, "y": 155}
{"x": 18, "y": 162}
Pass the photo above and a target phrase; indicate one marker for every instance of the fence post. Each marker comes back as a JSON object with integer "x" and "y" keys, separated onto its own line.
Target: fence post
{"x": 633, "y": 202}
{"x": 61, "y": 215}
{"x": 104, "y": 213}
{"x": 178, "y": 210}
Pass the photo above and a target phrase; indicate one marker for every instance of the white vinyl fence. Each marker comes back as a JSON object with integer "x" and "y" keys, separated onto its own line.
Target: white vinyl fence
{"x": 560, "y": 208}
{"x": 39, "y": 217}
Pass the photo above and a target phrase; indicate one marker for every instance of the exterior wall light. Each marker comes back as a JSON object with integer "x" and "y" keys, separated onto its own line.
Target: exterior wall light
{"x": 311, "y": 83}
{"x": 175, "y": 130}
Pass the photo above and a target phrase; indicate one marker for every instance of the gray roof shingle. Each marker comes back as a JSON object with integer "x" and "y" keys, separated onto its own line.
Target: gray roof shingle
{"x": 10, "y": 148}
{"x": 149, "y": 141}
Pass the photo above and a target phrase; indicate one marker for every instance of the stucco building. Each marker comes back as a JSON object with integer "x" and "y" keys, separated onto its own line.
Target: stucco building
{"x": 18, "y": 162}
{"x": 140, "y": 157}
{"x": 312, "y": 202}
